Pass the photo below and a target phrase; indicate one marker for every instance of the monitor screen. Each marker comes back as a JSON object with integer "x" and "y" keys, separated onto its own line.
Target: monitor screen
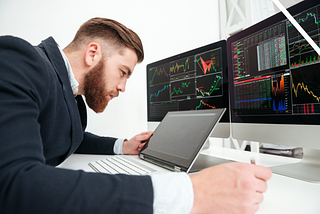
{"x": 193, "y": 80}
{"x": 274, "y": 77}
{"x": 275, "y": 72}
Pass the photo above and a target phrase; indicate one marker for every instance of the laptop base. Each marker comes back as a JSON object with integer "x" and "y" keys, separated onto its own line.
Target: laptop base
{"x": 205, "y": 161}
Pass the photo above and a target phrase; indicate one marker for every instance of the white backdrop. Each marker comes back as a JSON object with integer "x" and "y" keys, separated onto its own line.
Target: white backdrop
{"x": 166, "y": 27}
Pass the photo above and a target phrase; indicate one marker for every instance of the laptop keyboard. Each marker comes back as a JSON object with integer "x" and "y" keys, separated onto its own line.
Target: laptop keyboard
{"x": 120, "y": 165}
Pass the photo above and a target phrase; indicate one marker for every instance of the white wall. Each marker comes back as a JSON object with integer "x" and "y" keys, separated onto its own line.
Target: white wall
{"x": 166, "y": 27}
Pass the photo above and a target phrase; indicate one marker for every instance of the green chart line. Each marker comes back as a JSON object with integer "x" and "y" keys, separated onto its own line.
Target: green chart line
{"x": 213, "y": 88}
{"x": 309, "y": 16}
{"x": 180, "y": 89}
{"x": 162, "y": 71}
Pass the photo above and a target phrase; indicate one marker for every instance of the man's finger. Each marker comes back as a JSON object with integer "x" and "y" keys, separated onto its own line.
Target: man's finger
{"x": 262, "y": 172}
{"x": 141, "y": 145}
{"x": 146, "y": 133}
{"x": 144, "y": 137}
{"x": 258, "y": 198}
{"x": 261, "y": 185}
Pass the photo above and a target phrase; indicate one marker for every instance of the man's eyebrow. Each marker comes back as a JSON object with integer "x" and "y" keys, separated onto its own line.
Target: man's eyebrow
{"x": 128, "y": 69}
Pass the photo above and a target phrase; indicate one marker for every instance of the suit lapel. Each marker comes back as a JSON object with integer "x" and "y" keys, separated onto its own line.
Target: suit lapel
{"x": 58, "y": 64}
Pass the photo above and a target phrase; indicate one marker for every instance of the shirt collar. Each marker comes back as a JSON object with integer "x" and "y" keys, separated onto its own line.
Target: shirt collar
{"x": 73, "y": 82}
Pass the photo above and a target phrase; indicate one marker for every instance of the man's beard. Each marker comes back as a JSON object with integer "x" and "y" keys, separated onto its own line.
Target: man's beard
{"x": 94, "y": 89}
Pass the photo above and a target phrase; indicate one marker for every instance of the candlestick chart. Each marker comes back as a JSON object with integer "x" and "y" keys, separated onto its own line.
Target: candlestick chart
{"x": 197, "y": 104}
{"x": 204, "y": 105}
{"x": 159, "y": 93}
{"x": 302, "y": 53}
{"x": 209, "y": 85}
{"x": 182, "y": 88}
{"x": 182, "y": 66}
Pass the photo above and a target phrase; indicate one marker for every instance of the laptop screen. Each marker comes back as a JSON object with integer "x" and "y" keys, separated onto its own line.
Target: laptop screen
{"x": 180, "y": 136}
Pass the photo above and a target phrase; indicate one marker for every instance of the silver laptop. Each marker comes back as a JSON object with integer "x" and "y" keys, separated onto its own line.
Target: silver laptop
{"x": 177, "y": 142}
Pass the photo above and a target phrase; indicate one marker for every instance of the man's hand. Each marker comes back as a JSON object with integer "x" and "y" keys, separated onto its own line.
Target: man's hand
{"x": 135, "y": 144}
{"x": 229, "y": 188}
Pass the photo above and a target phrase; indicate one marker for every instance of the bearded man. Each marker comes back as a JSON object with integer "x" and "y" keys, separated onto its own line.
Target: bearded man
{"x": 43, "y": 121}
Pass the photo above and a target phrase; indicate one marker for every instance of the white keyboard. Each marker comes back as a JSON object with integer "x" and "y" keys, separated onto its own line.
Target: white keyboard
{"x": 121, "y": 165}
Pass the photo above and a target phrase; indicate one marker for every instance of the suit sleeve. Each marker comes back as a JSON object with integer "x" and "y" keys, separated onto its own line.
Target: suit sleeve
{"x": 93, "y": 144}
{"x": 27, "y": 184}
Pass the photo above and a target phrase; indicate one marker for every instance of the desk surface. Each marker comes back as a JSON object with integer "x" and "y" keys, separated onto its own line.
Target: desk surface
{"x": 284, "y": 194}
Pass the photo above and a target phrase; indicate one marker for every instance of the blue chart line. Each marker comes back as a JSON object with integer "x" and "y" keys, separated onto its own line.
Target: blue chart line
{"x": 158, "y": 93}
{"x": 245, "y": 101}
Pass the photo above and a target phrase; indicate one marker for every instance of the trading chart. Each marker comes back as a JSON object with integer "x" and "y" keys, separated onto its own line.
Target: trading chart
{"x": 191, "y": 82}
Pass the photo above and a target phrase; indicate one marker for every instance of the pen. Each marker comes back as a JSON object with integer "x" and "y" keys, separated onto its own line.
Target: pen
{"x": 253, "y": 161}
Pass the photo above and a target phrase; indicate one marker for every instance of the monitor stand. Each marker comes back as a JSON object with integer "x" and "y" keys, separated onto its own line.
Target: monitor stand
{"x": 308, "y": 169}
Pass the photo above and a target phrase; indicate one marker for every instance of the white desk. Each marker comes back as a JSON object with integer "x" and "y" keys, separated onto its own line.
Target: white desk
{"x": 284, "y": 195}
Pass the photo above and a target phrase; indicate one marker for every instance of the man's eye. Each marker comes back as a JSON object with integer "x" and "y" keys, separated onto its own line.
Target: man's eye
{"x": 123, "y": 73}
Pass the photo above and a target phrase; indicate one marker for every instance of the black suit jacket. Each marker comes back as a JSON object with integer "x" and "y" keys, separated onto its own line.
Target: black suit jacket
{"x": 41, "y": 124}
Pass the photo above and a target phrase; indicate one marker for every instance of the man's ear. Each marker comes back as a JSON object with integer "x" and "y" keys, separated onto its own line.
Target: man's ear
{"x": 93, "y": 54}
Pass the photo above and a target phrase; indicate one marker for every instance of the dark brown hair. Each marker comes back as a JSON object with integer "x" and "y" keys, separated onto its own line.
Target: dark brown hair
{"x": 110, "y": 31}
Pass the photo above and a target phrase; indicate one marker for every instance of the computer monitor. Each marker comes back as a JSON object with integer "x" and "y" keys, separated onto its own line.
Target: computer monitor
{"x": 274, "y": 78}
{"x": 195, "y": 79}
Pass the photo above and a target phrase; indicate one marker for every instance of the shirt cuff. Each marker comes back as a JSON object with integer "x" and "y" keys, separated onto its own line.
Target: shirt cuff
{"x": 173, "y": 193}
{"x": 117, "y": 148}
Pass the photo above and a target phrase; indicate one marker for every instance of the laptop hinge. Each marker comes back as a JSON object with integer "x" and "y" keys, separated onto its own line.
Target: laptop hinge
{"x": 141, "y": 156}
{"x": 177, "y": 169}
